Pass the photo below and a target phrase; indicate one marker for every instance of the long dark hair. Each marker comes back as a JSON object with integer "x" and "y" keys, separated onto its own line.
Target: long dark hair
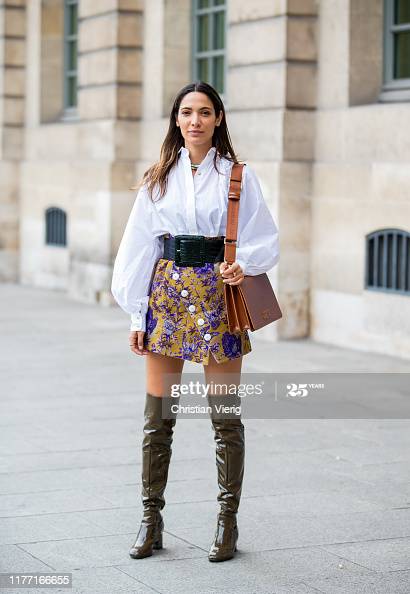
{"x": 157, "y": 174}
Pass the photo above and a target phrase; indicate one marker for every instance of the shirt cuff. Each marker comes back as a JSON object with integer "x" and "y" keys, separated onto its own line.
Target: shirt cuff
{"x": 138, "y": 318}
{"x": 138, "y": 323}
{"x": 242, "y": 264}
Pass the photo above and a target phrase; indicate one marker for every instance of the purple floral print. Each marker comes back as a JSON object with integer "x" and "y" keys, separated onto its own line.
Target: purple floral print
{"x": 172, "y": 326}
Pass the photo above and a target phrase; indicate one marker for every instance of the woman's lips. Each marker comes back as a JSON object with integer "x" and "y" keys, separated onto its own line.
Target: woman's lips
{"x": 195, "y": 133}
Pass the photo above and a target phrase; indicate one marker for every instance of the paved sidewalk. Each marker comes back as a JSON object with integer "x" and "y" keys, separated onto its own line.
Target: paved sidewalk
{"x": 325, "y": 504}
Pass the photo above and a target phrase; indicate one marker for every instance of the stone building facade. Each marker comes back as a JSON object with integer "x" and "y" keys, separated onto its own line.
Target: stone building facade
{"x": 316, "y": 102}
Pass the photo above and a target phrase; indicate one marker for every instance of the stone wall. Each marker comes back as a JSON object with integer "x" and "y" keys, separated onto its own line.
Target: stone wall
{"x": 361, "y": 182}
{"x": 85, "y": 163}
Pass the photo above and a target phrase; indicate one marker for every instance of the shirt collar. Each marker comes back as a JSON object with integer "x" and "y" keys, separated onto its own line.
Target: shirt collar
{"x": 185, "y": 153}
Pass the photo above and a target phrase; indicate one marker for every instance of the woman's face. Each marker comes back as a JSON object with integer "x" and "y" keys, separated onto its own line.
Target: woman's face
{"x": 197, "y": 120}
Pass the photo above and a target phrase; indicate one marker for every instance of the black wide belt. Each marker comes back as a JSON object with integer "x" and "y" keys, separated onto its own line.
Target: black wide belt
{"x": 193, "y": 250}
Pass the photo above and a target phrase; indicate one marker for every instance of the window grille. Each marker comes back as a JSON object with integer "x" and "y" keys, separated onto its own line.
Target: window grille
{"x": 388, "y": 260}
{"x": 56, "y": 226}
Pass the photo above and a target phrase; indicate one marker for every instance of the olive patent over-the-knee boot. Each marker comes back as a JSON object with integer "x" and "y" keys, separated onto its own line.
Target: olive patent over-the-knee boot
{"x": 230, "y": 459}
{"x": 156, "y": 456}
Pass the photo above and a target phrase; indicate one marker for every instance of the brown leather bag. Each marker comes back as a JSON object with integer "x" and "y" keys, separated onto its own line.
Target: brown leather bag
{"x": 252, "y": 304}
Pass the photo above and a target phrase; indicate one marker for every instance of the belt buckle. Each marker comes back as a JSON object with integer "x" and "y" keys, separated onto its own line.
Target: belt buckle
{"x": 195, "y": 240}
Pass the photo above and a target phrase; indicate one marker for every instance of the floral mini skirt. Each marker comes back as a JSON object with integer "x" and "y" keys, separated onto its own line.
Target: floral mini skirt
{"x": 186, "y": 315}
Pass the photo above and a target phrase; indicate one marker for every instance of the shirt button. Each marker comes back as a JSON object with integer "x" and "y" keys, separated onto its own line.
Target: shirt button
{"x": 207, "y": 337}
{"x": 184, "y": 293}
{"x": 191, "y": 308}
{"x": 201, "y": 322}
{"x": 175, "y": 276}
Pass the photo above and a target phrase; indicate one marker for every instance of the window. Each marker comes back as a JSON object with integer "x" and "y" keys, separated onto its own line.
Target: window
{"x": 70, "y": 54}
{"x": 209, "y": 60}
{"x": 56, "y": 226}
{"x": 388, "y": 260}
{"x": 396, "y": 50}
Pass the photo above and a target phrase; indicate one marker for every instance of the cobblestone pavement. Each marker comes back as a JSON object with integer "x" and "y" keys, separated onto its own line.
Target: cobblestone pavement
{"x": 325, "y": 504}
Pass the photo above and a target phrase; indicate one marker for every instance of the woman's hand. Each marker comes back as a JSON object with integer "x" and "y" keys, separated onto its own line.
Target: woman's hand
{"x": 232, "y": 274}
{"x": 136, "y": 341}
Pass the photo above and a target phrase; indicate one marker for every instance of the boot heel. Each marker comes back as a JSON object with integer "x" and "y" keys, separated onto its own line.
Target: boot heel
{"x": 158, "y": 543}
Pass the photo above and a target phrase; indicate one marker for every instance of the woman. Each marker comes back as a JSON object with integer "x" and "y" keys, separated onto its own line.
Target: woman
{"x": 172, "y": 285}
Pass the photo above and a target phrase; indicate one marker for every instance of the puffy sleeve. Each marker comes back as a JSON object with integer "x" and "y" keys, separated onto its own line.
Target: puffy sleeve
{"x": 258, "y": 239}
{"x": 137, "y": 255}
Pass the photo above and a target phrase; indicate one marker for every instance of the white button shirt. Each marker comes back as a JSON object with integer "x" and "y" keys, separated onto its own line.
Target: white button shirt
{"x": 192, "y": 205}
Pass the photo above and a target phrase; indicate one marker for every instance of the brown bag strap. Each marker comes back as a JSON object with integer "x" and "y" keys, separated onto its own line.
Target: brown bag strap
{"x": 235, "y": 185}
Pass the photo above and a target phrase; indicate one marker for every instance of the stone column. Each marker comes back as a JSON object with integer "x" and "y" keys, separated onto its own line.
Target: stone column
{"x": 295, "y": 184}
{"x": 110, "y": 54}
{"x": 110, "y": 90}
{"x": 271, "y": 104}
{"x": 12, "y": 78}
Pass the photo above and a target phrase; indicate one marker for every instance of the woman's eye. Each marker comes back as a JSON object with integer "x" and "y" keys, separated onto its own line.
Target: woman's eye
{"x": 205, "y": 113}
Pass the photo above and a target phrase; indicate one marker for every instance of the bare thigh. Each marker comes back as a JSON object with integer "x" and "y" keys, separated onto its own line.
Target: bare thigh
{"x": 156, "y": 366}
{"x": 228, "y": 372}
